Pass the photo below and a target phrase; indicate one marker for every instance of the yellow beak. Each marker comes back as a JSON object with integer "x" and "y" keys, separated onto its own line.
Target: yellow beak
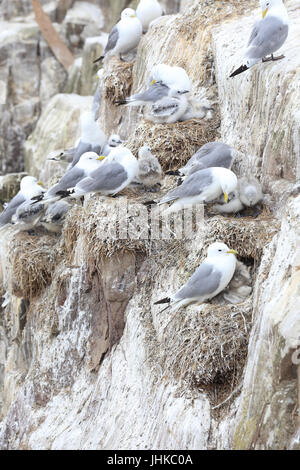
{"x": 40, "y": 183}
{"x": 132, "y": 16}
{"x": 233, "y": 252}
{"x": 101, "y": 157}
{"x": 264, "y": 12}
{"x": 152, "y": 83}
{"x": 225, "y": 197}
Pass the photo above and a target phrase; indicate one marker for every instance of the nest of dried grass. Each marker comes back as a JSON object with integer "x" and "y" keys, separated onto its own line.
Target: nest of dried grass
{"x": 246, "y": 235}
{"x": 32, "y": 260}
{"x": 208, "y": 345}
{"x": 173, "y": 144}
{"x": 71, "y": 231}
{"x": 117, "y": 81}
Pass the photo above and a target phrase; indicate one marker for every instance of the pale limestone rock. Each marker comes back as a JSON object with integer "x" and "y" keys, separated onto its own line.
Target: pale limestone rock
{"x": 57, "y": 129}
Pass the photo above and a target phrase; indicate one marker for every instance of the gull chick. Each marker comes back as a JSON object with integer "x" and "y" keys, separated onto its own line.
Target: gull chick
{"x": 149, "y": 169}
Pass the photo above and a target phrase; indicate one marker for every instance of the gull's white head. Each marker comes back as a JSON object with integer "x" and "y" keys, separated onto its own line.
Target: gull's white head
{"x": 218, "y": 249}
{"x": 28, "y": 182}
{"x": 175, "y": 77}
{"x": 228, "y": 182}
{"x": 128, "y": 13}
{"x": 90, "y": 161}
{"x": 267, "y": 5}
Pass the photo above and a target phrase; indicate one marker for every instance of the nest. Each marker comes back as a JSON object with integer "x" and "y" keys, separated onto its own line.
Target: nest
{"x": 173, "y": 144}
{"x": 117, "y": 81}
{"x": 32, "y": 260}
{"x": 208, "y": 345}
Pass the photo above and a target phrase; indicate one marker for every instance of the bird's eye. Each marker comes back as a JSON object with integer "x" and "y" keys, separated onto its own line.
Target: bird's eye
{"x": 220, "y": 249}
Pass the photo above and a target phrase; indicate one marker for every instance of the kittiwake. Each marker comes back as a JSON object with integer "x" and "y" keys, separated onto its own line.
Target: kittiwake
{"x": 149, "y": 169}
{"x": 209, "y": 279}
{"x": 247, "y": 194}
{"x": 267, "y": 36}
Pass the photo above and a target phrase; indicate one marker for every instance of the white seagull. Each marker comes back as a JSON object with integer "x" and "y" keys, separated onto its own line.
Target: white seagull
{"x": 209, "y": 279}
{"x": 147, "y": 11}
{"x": 125, "y": 35}
{"x": 267, "y": 36}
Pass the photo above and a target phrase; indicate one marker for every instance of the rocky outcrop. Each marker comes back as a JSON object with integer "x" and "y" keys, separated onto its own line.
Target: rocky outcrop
{"x": 86, "y": 359}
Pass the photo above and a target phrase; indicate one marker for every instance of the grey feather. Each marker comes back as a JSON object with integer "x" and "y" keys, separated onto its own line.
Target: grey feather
{"x": 82, "y": 148}
{"x": 152, "y": 94}
{"x": 204, "y": 281}
{"x": 194, "y": 185}
{"x": 69, "y": 180}
{"x": 108, "y": 177}
{"x": 6, "y": 215}
{"x": 212, "y": 154}
{"x": 165, "y": 107}
{"x": 112, "y": 39}
{"x": 267, "y": 37}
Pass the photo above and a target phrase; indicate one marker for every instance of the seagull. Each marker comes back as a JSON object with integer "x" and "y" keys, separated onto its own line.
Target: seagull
{"x": 125, "y": 35}
{"x": 202, "y": 186}
{"x": 118, "y": 171}
{"x": 87, "y": 163}
{"x": 169, "y": 109}
{"x": 209, "y": 279}
{"x": 30, "y": 187}
{"x": 92, "y": 139}
{"x": 28, "y": 215}
{"x": 267, "y": 36}
{"x": 147, "y": 11}
{"x": 209, "y": 155}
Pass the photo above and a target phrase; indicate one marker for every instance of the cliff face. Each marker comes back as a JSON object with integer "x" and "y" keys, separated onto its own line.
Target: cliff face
{"x": 86, "y": 360}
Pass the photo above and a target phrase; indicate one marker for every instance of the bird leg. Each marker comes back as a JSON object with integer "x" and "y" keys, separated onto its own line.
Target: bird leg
{"x": 272, "y": 58}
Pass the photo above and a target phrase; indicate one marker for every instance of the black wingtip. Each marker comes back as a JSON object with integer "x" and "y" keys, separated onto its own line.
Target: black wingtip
{"x": 99, "y": 59}
{"x": 36, "y": 199}
{"x": 241, "y": 69}
{"x": 149, "y": 203}
{"x": 121, "y": 102}
{"x": 173, "y": 172}
{"x": 166, "y": 300}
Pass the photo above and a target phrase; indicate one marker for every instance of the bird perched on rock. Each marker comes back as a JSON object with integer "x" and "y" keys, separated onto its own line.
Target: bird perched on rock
{"x": 202, "y": 186}
{"x": 30, "y": 187}
{"x": 209, "y": 155}
{"x": 92, "y": 139}
{"x": 209, "y": 279}
{"x": 113, "y": 142}
{"x": 149, "y": 173}
{"x": 87, "y": 163}
{"x": 267, "y": 36}
{"x": 125, "y": 35}
{"x": 147, "y": 11}
{"x": 247, "y": 194}
{"x": 54, "y": 216}
{"x": 118, "y": 171}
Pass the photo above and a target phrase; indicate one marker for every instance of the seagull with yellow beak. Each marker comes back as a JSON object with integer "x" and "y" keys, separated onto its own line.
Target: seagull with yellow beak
{"x": 267, "y": 36}
{"x": 202, "y": 186}
{"x": 209, "y": 279}
{"x": 125, "y": 35}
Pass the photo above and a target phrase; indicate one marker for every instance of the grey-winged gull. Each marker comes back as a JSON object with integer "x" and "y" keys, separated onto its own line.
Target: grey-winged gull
{"x": 202, "y": 186}
{"x": 209, "y": 279}
{"x": 118, "y": 171}
{"x": 124, "y": 36}
{"x": 169, "y": 109}
{"x": 267, "y": 36}
{"x": 55, "y": 215}
{"x": 148, "y": 11}
{"x": 113, "y": 142}
{"x": 29, "y": 188}
{"x": 209, "y": 155}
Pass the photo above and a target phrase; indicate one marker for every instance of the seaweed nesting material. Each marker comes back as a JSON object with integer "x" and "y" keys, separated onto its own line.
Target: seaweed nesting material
{"x": 32, "y": 260}
{"x": 117, "y": 81}
{"x": 173, "y": 144}
{"x": 208, "y": 345}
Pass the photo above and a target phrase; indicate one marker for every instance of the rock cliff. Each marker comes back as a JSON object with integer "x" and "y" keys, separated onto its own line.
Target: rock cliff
{"x": 86, "y": 360}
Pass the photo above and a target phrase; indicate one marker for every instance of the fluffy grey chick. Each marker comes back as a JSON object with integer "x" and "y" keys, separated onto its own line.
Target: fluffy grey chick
{"x": 55, "y": 216}
{"x": 28, "y": 215}
{"x": 149, "y": 170}
{"x": 247, "y": 194}
{"x": 113, "y": 142}
{"x": 239, "y": 287}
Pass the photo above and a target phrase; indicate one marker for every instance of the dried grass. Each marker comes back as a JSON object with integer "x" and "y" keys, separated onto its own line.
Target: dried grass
{"x": 117, "y": 80}
{"x": 173, "y": 144}
{"x": 209, "y": 344}
{"x": 32, "y": 261}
